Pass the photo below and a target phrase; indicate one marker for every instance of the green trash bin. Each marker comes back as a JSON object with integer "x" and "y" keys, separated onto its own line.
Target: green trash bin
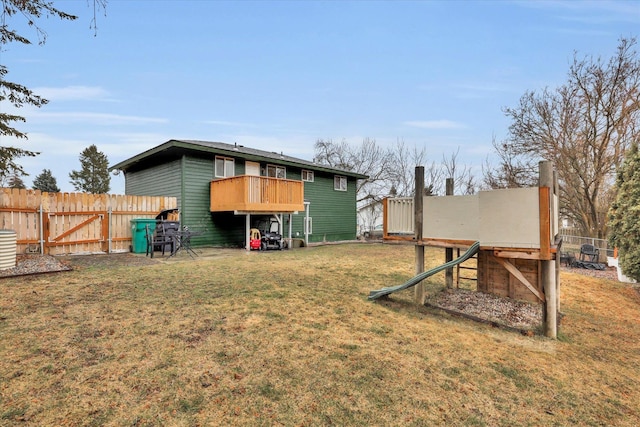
{"x": 139, "y": 234}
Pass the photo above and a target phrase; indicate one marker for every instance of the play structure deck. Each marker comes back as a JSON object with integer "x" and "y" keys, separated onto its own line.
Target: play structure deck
{"x": 513, "y": 233}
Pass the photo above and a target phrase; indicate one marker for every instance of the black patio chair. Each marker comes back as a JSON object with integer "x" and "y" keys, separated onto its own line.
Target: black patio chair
{"x": 590, "y": 258}
{"x": 589, "y": 253}
{"x": 158, "y": 239}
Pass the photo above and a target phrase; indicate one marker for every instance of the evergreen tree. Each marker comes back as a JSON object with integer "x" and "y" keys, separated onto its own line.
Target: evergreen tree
{"x": 46, "y": 182}
{"x": 16, "y": 16}
{"x": 16, "y": 182}
{"x": 624, "y": 213}
{"x": 94, "y": 175}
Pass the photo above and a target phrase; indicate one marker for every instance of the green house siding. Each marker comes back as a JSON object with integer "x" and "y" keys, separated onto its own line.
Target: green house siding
{"x": 159, "y": 180}
{"x": 197, "y": 173}
{"x": 186, "y": 174}
{"x": 332, "y": 212}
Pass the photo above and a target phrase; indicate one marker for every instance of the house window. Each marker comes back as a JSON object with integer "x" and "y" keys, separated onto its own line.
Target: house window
{"x": 279, "y": 172}
{"x": 308, "y": 225}
{"x": 224, "y": 167}
{"x": 340, "y": 183}
{"x": 307, "y": 175}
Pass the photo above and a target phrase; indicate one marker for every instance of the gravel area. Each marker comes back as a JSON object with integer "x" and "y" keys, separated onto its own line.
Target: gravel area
{"x": 480, "y": 306}
{"x": 608, "y": 273}
{"x": 506, "y": 312}
{"x": 35, "y": 264}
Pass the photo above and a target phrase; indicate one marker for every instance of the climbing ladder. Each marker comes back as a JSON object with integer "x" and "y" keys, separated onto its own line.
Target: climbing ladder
{"x": 460, "y": 267}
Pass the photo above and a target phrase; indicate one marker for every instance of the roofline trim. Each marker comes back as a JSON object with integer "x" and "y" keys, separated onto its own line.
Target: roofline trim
{"x": 194, "y": 146}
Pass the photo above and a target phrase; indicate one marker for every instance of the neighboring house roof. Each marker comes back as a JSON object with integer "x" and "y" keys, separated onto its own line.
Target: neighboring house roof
{"x": 175, "y": 148}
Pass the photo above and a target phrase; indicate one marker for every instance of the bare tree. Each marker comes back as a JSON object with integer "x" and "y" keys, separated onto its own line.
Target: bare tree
{"x": 512, "y": 171}
{"x": 402, "y": 174}
{"x": 368, "y": 158}
{"x": 464, "y": 182}
{"x": 391, "y": 170}
{"x": 584, "y": 127}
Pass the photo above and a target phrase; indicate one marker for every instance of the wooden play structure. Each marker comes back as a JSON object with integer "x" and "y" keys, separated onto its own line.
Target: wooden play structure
{"x": 514, "y": 233}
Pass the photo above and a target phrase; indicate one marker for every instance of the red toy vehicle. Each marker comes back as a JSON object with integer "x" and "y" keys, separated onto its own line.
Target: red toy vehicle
{"x": 265, "y": 236}
{"x": 254, "y": 239}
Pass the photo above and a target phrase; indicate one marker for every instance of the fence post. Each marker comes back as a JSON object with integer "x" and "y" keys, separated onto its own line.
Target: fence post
{"x": 449, "y": 251}
{"x": 41, "y": 222}
{"x": 419, "y": 252}
{"x": 547, "y": 267}
{"x": 109, "y": 229}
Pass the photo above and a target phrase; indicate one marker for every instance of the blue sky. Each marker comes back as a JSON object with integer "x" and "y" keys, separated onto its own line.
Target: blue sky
{"x": 278, "y": 75}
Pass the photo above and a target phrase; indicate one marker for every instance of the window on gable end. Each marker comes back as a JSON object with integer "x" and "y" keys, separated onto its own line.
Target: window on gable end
{"x": 340, "y": 183}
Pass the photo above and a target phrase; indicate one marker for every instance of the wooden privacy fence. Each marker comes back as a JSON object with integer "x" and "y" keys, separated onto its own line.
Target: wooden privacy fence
{"x": 72, "y": 223}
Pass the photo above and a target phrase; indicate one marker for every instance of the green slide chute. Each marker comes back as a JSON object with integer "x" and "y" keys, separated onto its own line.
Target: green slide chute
{"x": 420, "y": 277}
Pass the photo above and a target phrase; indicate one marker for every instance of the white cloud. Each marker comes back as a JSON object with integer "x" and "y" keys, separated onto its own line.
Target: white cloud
{"x": 50, "y": 146}
{"x": 72, "y": 93}
{"x": 145, "y": 138}
{"x": 104, "y": 119}
{"x": 590, "y": 12}
{"x": 226, "y": 123}
{"x": 61, "y": 154}
{"x": 434, "y": 124}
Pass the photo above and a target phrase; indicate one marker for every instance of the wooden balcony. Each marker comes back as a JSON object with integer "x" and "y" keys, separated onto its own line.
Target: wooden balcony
{"x": 246, "y": 193}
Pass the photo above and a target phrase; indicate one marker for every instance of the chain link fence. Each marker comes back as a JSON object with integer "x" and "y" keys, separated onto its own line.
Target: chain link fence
{"x": 572, "y": 243}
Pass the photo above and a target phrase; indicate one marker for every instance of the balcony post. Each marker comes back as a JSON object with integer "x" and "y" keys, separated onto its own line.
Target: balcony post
{"x": 247, "y": 232}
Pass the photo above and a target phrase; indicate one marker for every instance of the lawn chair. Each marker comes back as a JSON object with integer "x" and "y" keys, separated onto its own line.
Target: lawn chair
{"x": 158, "y": 239}
{"x": 166, "y": 234}
{"x": 589, "y": 258}
{"x": 589, "y": 253}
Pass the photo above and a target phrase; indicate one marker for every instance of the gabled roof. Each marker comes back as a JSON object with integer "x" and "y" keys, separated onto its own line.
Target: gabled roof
{"x": 175, "y": 148}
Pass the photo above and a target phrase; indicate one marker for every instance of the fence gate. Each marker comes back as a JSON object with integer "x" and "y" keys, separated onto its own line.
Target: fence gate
{"x": 72, "y": 223}
{"x": 77, "y": 231}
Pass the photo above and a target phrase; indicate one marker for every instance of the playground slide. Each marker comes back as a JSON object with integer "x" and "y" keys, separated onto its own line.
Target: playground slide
{"x": 420, "y": 277}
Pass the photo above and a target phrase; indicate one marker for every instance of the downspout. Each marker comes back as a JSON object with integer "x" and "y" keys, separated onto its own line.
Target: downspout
{"x": 306, "y": 223}
{"x": 183, "y": 163}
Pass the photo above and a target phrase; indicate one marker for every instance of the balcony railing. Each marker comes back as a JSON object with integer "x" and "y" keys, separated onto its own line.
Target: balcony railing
{"x": 247, "y": 193}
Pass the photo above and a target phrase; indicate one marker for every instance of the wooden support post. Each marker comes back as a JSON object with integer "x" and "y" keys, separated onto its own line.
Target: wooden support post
{"x": 554, "y": 192}
{"x": 247, "y": 232}
{"x": 548, "y": 267}
{"x": 448, "y": 274}
{"x": 419, "y": 290}
{"x": 385, "y": 217}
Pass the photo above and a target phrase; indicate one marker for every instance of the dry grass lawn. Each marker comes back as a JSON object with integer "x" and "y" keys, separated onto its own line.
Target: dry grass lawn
{"x": 289, "y": 338}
